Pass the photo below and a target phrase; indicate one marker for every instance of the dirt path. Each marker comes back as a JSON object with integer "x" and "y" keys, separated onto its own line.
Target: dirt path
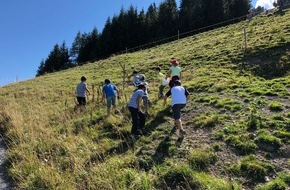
{"x": 3, "y": 183}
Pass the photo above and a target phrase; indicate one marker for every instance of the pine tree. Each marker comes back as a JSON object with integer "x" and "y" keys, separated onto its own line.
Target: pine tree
{"x": 186, "y": 19}
{"x": 236, "y": 8}
{"x": 131, "y": 28}
{"x": 151, "y": 22}
{"x": 167, "y": 19}
{"x": 106, "y": 43}
{"x": 90, "y": 49}
{"x": 41, "y": 70}
{"x": 213, "y": 11}
{"x": 78, "y": 43}
{"x": 142, "y": 29}
{"x": 57, "y": 60}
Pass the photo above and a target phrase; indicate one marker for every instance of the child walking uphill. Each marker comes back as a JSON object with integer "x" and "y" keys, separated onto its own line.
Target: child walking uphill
{"x": 138, "y": 117}
{"x": 136, "y": 78}
{"x": 179, "y": 98}
{"x": 109, "y": 91}
{"x": 146, "y": 100}
{"x": 162, "y": 81}
{"x": 81, "y": 91}
{"x": 174, "y": 70}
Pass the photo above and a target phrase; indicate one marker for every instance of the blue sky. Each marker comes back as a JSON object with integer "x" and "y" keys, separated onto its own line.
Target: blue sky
{"x": 29, "y": 29}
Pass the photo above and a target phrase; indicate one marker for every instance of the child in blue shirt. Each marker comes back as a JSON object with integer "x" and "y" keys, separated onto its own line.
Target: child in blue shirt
{"x": 109, "y": 91}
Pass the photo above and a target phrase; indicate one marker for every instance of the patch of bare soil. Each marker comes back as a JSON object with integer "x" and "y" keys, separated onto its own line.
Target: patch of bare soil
{"x": 203, "y": 137}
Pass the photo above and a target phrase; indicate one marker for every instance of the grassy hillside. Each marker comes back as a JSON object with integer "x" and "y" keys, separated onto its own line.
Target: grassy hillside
{"x": 237, "y": 119}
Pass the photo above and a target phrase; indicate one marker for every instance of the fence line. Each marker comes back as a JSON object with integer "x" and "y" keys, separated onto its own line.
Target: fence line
{"x": 186, "y": 34}
{"x": 193, "y": 32}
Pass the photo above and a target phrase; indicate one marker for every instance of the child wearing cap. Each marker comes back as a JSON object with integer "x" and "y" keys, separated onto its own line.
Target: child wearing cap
{"x": 109, "y": 92}
{"x": 179, "y": 96}
{"x": 136, "y": 78}
{"x": 134, "y": 106}
{"x": 174, "y": 70}
{"x": 146, "y": 100}
{"x": 81, "y": 91}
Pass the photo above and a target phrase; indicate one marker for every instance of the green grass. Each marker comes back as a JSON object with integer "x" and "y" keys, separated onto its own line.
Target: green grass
{"x": 238, "y": 112}
{"x": 201, "y": 159}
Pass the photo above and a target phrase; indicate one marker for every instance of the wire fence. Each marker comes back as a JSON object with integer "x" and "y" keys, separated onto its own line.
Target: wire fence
{"x": 96, "y": 89}
{"x": 197, "y": 31}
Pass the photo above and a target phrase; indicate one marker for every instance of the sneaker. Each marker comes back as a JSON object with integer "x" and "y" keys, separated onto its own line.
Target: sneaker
{"x": 144, "y": 132}
{"x": 139, "y": 132}
{"x": 173, "y": 129}
{"x": 134, "y": 136}
{"x": 182, "y": 133}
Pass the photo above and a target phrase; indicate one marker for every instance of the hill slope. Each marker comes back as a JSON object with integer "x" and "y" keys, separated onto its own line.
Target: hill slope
{"x": 237, "y": 119}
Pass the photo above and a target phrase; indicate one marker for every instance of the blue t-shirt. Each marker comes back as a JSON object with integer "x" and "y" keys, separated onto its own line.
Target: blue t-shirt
{"x": 109, "y": 90}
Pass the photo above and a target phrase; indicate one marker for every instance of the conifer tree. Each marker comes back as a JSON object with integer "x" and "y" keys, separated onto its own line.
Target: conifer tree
{"x": 236, "y": 8}
{"x": 90, "y": 49}
{"x": 77, "y": 44}
{"x": 106, "y": 44}
{"x": 131, "y": 25}
{"x": 186, "y": 13}
{"x": 142, "y": 29}
{"x": 167, "y": 19}
{"x": 151, "y": 22}
{"x": 213, "y": 11}
{"x": 57, "y": 60}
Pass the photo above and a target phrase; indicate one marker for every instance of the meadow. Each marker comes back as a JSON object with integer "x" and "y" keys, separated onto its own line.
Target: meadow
{"x": 237, "y": 120}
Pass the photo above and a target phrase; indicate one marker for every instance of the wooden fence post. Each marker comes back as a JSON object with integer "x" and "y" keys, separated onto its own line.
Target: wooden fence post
{"x": 93, "y": 91}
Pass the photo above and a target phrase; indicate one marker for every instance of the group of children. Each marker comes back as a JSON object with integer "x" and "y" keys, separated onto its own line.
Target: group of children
{"x": 178, "y": 93}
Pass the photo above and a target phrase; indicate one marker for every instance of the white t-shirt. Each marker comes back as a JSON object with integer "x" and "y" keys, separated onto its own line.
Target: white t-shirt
{"x": 178, "y": 95}
{"x": 81, "y": 89}
{"x": 133, "y": 100}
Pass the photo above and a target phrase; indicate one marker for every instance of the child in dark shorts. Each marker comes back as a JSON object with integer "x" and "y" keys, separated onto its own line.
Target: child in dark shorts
{"x": 81, "y": 91}
{"x": 179, "y": 96}
{"x": 174, "y": 78}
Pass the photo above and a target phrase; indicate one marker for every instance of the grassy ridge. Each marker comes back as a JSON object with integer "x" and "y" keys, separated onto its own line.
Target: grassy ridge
{"x": 237, "y": 121}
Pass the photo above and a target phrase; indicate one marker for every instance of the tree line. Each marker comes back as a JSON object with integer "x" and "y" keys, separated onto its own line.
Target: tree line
{"x": 132, "y": 28}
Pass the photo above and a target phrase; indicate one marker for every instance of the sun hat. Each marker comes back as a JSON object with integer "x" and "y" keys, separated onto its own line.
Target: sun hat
{"x": 174, "y": 62}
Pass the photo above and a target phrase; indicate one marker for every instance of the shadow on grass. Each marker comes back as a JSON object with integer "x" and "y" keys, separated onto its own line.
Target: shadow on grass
{"x": 162, "y": 151}
{"x": 269, "y": 63}
{"x": 128, "y": 142}
{"x": 157, "y": 120}
{"x": 5, "y": 180}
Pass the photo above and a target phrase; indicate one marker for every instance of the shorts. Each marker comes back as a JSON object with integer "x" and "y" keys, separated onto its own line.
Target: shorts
{"x": 176, "y": 109}
{"x": 82, "y": 100}
{"x": 111, "y": 101}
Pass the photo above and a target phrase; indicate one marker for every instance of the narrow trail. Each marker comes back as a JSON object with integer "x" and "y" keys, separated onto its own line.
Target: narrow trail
{"x": 4, "y": 185}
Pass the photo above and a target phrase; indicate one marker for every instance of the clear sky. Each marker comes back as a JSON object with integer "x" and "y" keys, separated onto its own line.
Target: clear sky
{"x": 29, "y": 29}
